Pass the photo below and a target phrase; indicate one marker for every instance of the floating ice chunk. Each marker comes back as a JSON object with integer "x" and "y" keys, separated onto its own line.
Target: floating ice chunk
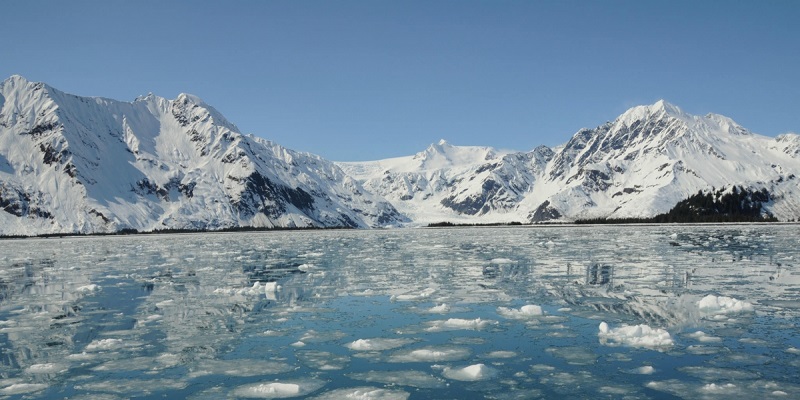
{"x": 417, "y": 379}
{"x": 105, "y": 344}
{"x": 635, "y": 336}
{"x": 440, "y": 309}
{"x": 727, "y": 388}
{"x": 240, "y": 367}
{"x": 643, "y": 370}
{"x": 431, "y": 354}
{"x": 22, "y": 388}
{"x": 501, "y": 354}
{"x": 88, "y": 288}
{"x": 793, "y": 350}
{"x": 502, "y": 261}
{"x": 525, "y": 312}
{"x": 414, "y": 296}
{"x": 323, "y": 360}
{"x": 574, "y": 355}
{"x": 298, "y": 343}
{"x": 703, "y": 337}
{"x": 476, "y": 372}
{"x": 363, "y": 393}
{"x": 46, "y": 368}
{"x": 305, "y": 267}
{"x": 377, "y": 344}
{"x": 723, "y": 305}
{"x": 162, "y": 304}
{"x": 279, "y": 390}
{"x": 454, "y": 324}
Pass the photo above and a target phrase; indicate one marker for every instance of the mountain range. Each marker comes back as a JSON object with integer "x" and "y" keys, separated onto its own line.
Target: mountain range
{"x": 72, "y": 164}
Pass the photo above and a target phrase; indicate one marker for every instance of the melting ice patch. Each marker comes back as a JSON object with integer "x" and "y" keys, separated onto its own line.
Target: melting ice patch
{"x": 701, "y": 336}
{"x": 476, "y": 372}
{"x": 634, "y": 336}
{"x": 22, "y": 388}
{"x": 323, "y": 360}
{"x": 454, "y": 324}
{"x": 417, "y": 379}
{"x": 723, "y": 305}
{"x": 46, "y": 368}
{"x": 278, "y": 389}
{"x": 431, "y": 354}
{"x": 414, "y": 296}
{"x": 377, "y": 344}
{"x": 363, "y": 393}
{"x": 524, "y": 312}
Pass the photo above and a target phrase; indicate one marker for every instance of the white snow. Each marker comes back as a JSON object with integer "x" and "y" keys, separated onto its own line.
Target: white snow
{"x": 636, "y": 336}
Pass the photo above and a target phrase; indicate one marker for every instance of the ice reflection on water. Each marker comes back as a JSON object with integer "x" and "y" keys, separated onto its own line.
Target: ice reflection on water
{"x": 427, "y": 313}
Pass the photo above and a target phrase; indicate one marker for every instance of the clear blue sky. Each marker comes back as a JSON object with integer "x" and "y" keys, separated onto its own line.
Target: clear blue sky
{"x": 360, "y": 80}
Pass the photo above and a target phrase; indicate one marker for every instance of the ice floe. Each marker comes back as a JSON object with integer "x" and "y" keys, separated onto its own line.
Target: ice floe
{"x": 378, "y": 344}
{"x": 431, "y": 354}
{"x": 105, "y": 344}
{"x": 417, "y": 379}
{"x": 524, "y": 312}
{"x": 712, "y": 304}
{"x": 634, "y": 336}
{"x": 475, "y": 372}
{"x": 454, "y": 324}
{"x": 46, "y": 368}
{"x": 363, "y": 393}
{"x": 279, "y": 389}
{"x": 323, "y": 360}
{"x": 701, "y": 336}
{"x": 22, "y": 388}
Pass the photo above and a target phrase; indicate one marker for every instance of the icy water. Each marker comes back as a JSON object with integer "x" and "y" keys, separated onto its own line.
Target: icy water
{"x": 500, "y": 313}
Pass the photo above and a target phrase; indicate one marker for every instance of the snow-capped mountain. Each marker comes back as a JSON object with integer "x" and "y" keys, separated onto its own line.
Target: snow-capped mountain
{"x": 639, "y": 165}
{"x": 83, "y": 164}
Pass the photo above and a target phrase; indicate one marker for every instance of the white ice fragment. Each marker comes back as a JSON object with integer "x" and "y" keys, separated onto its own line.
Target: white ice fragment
{"x": 501, "y": 354}
{"x": 363, "y": 393}
{"x": 723, "y": 305}
{"x": 459, "y": 324}
{"x": 22, "y": 388}
{"x": 703, "y": 337}
{"x": 476, "y": 372}
{"x": 414, "y": 296}
{"x": 46, "y": 368}
{"x": 430, "y": 354}
{"x": 104, "y": 344}
{"x": 727, "y": 388}
{"x": 279, "y": 390}
{"x": 635, "y": 336}
{"x": 88, "y": 288}
{"x": 793, "y": 350}
{"x": 440, "y": 309}
{"x": 502, "y": 261}
{"x": 298, "y": 343}
{"x": 377, "y": 344}
{"x": 643, "y": 370}
{"x": 162, "y": 304}
{"x": 417, "y": 379}
{"x": 525, "y": 312}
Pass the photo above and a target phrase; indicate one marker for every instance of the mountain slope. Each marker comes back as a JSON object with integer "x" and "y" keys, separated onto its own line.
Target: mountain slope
{"x": 639, "y": 165}
{"x": 79, "y": 164}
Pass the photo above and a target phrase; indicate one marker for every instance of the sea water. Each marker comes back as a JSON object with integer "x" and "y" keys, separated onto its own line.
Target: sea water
{"x": 612, "y": 312}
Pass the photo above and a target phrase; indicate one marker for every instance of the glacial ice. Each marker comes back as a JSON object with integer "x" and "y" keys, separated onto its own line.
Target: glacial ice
{"x": 363, "y": 393}
{"x": 279, "y": 389}
{"x": 524, "y": 312}
{"x": 635, "y": 336}
{"x": 712, "y": 304}
{"x": 378, "y": 344}
{"x": 475, "y": 372}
